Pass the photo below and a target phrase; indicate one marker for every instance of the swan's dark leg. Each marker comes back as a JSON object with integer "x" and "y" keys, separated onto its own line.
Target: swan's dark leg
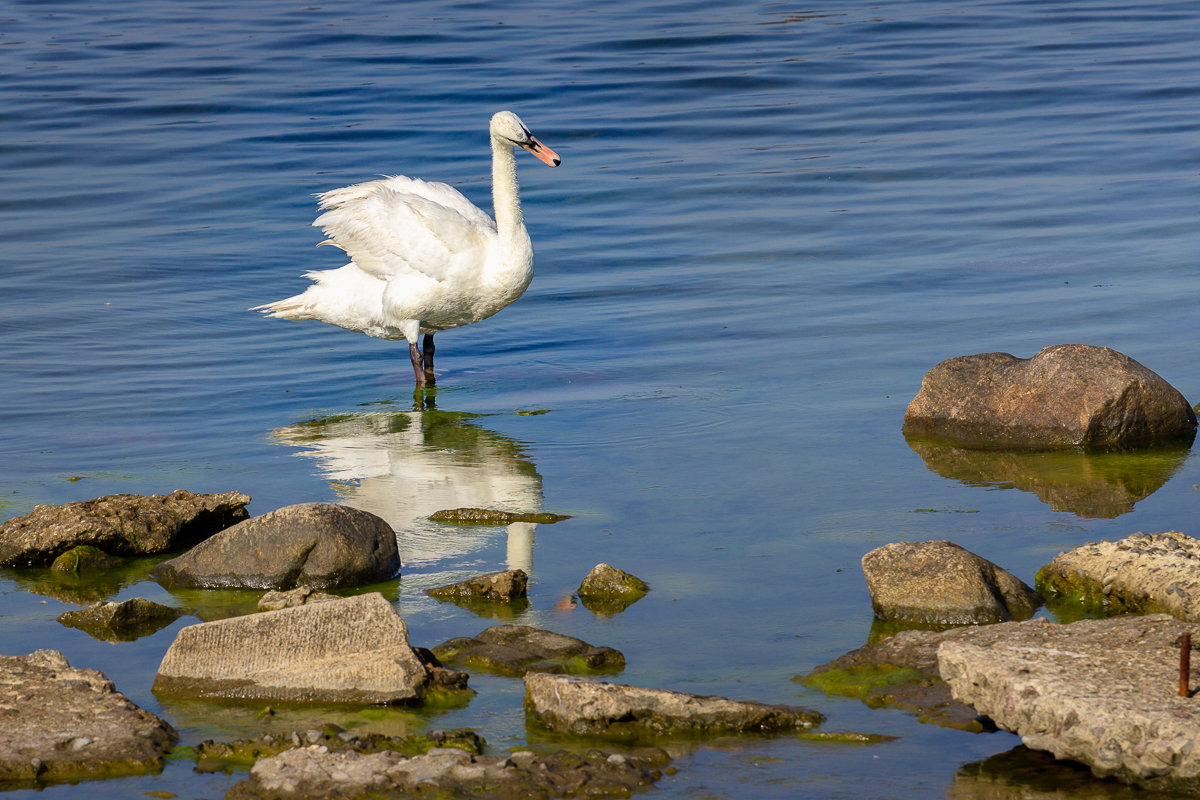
{"x": 427, "y": 346}
{"x": 414, "y": 353}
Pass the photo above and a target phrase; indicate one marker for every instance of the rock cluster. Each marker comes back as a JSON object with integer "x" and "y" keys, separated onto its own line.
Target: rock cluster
{"x": 323, "y": 545}
{"x": 1068, "y": 395}
{"x": 119, "y": 524}
{"x": 67, "y": 724}
{"x": 941, "y": 583}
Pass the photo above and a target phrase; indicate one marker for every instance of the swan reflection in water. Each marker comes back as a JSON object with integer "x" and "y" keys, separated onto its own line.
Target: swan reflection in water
{"x": 405, "y": 465}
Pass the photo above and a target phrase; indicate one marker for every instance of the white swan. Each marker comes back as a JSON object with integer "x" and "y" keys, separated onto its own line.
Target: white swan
{"x": 423, "y": 258}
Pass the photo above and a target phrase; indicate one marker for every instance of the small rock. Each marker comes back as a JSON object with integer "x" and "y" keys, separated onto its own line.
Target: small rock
{"x": 317, "y": 544}
{"x": 517, "y": 649}
{"x": 121, "y": 622}
{"x": 1067, "y": 395}
{"x": 497, "y": 587}
{"x": 608, "y": 590}
{"x": 68, "y": 724}
{"x": 353, "y": 650}
{"x": 119, "y": 524}
{"x": 1142, "y": 573}
{"x": 84, "y": 559}
{"x": 941, "y": 583}
{"x": 579, "y": 706}
{"x": 487, "y": 516}
{"x": 1100, "y": 692}
{"x": 274, "y": 600}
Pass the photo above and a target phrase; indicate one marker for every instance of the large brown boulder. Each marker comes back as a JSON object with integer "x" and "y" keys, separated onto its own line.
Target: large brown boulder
{"x": 941, "y": 583}
{"x": 322, "y": 545}
{"x": 118, "y": 524}
{"x": 1065, "y": 396}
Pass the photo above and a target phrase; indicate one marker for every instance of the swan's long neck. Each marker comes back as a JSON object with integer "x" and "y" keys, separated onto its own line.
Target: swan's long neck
{"x": 505, "y": 203}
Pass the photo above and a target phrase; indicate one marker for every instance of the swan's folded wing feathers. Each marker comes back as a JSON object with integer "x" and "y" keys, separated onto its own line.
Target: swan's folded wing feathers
{"x": 397, "y": 225}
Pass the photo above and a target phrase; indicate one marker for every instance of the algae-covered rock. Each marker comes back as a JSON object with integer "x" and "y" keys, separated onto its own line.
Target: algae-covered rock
{"x": 121, "y": 622}
{"x": 941, "y": 583}
{"x": 518, "y": 649}
{"x": 1140, "y": 574}
{"x": 489, "y": 516}
{"x": 119, "y": 524}
{"x": 84, "y": 559}
{"x": 494, "y": 587}
{"x": 898, "y": 672}
{"x": 67, "y": 724}
{"x": 575, "y": 705}
{"x": 608, "y": 590}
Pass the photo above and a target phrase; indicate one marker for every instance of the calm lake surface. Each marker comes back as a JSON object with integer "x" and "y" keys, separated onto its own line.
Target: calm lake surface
{"x": 770, "y": 221}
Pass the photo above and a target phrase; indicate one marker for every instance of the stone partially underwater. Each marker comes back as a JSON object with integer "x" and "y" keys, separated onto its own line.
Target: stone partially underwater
{"x": 351, "y": 650}
{"x": 1069, "y": 395}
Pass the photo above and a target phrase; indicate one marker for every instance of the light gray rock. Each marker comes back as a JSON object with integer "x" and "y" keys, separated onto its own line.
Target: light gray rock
{"x": 353, "y": 650}
{"x": 318, "y": 772}
{"x": 121, "y": 622}
{"x": 1142, "y": 573}
{"x": 323, "y": 545}
{"x": 941, "y": 583}
{"x": 118, "y": 524}
{"x": 1100, "y": 692}
{"x": 60, "y": 723}
{"x": 517, "y": 649}
{"x": 274, "y": 600}
{"x": 1067, "y": 395}
{"x": 576, "y": 705}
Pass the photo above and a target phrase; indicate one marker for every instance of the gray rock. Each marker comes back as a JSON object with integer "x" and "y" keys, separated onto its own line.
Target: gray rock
{"x": 121, "y": 622}
{"x": 323, "y": 545}
{"x": 318, "y": 772}
{"x": 517, "y": 649}
{"x": 1067, "y": 395}
{"x": 494, "y": 587}
{"x": 941, "y": 583}
{"x": 576, "y": 705}
{"x": 67, "y": 724}
{"x": 274, "y": 600}
{"x": 119, "y": 524}
{"x": 1142, "y": 573}
{"x": 351, "y": 650}
{"x": 608, "y": 590}
{"x": 899, "y": 672}
{"x": 1100, "y": 692}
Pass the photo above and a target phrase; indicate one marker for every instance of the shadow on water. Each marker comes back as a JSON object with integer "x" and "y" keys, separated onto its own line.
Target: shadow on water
{"x": 1090, "y": 484}
{"x": 1024, "y": 774}
{"x": 405, "y": 465}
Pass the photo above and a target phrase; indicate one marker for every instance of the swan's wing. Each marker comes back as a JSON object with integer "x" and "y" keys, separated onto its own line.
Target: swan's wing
{"x": 400, "y": 225}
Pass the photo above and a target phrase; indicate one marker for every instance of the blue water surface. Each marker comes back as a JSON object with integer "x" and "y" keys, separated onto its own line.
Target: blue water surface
{"x": 770, "y": 221}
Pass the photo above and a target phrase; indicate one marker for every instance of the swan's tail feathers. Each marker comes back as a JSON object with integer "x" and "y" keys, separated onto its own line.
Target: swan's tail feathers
{"x": 301, "y": 306}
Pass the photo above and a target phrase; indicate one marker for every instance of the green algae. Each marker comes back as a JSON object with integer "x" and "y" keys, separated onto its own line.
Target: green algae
{"x": 1074, "y": 595}
{"x": 860, "y": 681}
{"x": 845, "y": 737}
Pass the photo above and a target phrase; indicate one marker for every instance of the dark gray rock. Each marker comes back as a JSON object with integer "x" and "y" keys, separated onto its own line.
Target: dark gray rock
{"x": 494, "y": 587}
{"x": 517, "y": 649}
{"x": 65, "y": 724}
{"x": 119, "y": 524}
{"x": 317, "y": 771}
{"x": 574, "y": 705}
{"x": 322, "y": 545}
{"x": 1142, "y": 573}
{"x": 608, "y": 590}
{"x": 1100, "y": 692}
{"x": 491, "y": 516}
{"x": 941, "y": 583}
{"x": 351, "y": 650}
{"x": 1067, "y": 395}
{"x": 121, "y": 622}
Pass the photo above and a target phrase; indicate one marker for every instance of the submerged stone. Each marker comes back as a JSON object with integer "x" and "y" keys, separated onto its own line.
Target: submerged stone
{"x": 518, "y": 649}
{"x": 121, "y": 622}
{"x": 494, "y": 587}
{"x": 488, "y": 516}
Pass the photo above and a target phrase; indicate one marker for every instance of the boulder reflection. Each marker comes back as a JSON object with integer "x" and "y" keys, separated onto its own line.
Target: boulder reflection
{"x": 1089, "y": 484}
{"x": 405, "y": 465}
{"x": 1024, "y": 774}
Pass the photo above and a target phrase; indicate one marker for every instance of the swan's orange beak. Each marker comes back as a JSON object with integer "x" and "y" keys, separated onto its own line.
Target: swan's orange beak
{"x": 547, "y": 156}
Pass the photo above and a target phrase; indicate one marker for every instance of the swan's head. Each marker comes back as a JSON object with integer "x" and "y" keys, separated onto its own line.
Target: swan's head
{"x": 508, "y": 128}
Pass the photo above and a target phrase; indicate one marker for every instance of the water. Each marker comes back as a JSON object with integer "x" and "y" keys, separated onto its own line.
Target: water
{"x": 769, "y": 223}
